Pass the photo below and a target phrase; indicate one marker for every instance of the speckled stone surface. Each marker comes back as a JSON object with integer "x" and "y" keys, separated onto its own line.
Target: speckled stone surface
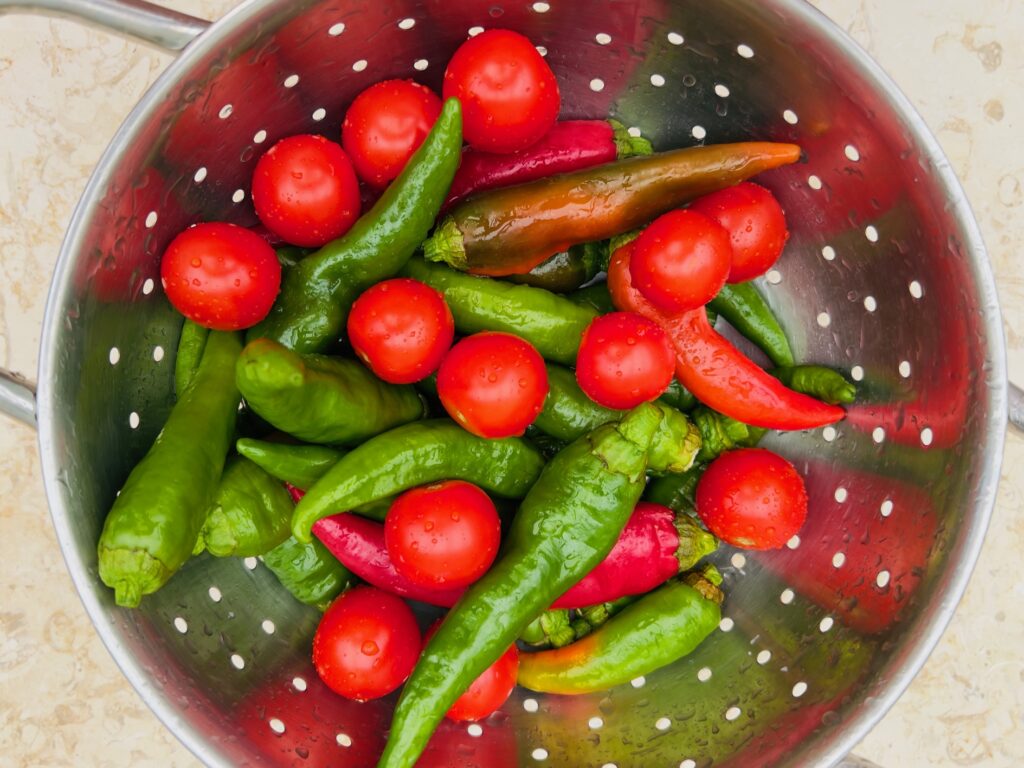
{"x": 64, "y": 89}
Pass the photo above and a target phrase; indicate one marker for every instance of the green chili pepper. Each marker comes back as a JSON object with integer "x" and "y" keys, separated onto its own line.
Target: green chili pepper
{"x": 250, "y": 512}
{"x": 721, "y": 433}
{"x": 568, "y": 414}
{"x": 309, "y": 571}
{"x": 567, "y": 270}
{"x": 656, "y": 630}
{"x": 298, "y": 465}
{"x": 818, "y": 381}
{"x": 746, "y": 310}
{"x": 550, "y": 322}
{"x": 677, "y": 492}
{"x": 290, "y": 255}
{"x": 191, "y": 344}
{"x": 594, "y": 297}
{"x": 317, "y": 292}
{"x": 678, "y": 397}
{"x": 321, "y": 399}
{"x": 154, "y": 523}
{"x": 567, "y": 524}
{"x": 416, "y": 454}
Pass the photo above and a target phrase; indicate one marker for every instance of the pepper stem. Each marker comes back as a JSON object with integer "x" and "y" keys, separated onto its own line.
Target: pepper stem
{"x": 446, "y": 245}
{"x": 694, "y": 542}
{"x": 704, "y": 583}
{"x": 627, "y": 145}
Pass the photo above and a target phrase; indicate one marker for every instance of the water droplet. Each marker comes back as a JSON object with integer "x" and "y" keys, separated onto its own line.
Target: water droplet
{"x": 196, "y": 263}
{"x": 370, "y": 648}
{"x": 254, "y": 274}
{"x": 428, "y": 526}
{"x": 455, "y": 516}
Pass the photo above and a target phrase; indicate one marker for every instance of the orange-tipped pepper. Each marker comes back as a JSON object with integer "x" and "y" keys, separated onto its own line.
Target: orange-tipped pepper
{"x": 511, "y": 230}
{"x": 717, "y": 373}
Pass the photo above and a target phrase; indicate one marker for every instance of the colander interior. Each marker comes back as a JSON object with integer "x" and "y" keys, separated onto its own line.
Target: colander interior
{"x": 880, "y": 279}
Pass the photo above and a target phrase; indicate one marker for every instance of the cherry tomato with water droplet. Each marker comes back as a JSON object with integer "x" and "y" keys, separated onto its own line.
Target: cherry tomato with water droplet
{"x": 367, "y": 644}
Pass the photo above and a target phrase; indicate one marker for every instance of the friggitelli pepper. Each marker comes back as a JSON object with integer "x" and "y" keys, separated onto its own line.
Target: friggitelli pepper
{"x": 153, "y": 526}
{"x": 417, "y": 454}
{"x": 321, "y": 399}
{"x": 308, "y": 571}
{"x": 358, "y": 544}
{"x": 316, "y": 294}
{"x": 570, "y": 145}
{"x": 717, "y": 373}
{"x": 568, "y": 522}
{"x": 511, "y": 230}
{"x": 654, "y": 631}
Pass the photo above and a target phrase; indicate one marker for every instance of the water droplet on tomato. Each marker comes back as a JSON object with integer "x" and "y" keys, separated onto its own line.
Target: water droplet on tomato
{"x": 196, "y": 263}
{"x": 455, "y": 516}
{"x": 523, "y": 383}
{"x": 253, "y": 273}
{"x": 630, "y": 341}
{"x": 196, "y": 283}
{"x": 492, "y": 378}
{"x": 370, "y": 648}
{"x": 428, "y": 526}
{"x": 238, "y": 283}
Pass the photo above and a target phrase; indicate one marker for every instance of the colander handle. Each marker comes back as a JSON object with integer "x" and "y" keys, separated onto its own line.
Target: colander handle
{"x": 17, "y": 398}
{"x": 1017, "y": 406}
{"x": 160, "y": 26}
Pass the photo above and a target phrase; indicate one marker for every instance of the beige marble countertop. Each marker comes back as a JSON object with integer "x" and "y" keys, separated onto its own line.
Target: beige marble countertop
{"x": 64, "y": 90}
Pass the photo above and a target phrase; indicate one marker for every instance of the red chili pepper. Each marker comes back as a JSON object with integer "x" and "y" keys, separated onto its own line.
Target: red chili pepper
{"x": 570, "y": 146}
{"x": 717, "y": 373}
{"x": 295, "y": 493}
{"x": 358, "y": 544}
{"x": 652, "y": 548}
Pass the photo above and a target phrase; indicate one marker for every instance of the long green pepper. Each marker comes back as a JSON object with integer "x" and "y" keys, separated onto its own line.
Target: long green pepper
{"x": 416, "y": 454}
{"x": 552, "y": 323}
{"x": 568, "y": 522}
{"x": 742, "y": 305}
{"x": 318, "y": 291}
{"x": 154, "y": 523}
{"x": 299, "y": 465}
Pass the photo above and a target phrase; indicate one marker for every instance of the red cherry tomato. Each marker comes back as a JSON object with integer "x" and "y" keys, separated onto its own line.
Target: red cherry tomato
{"x": 508, "y": 92}
{"x": 624, "y": 360}
{"x": 385, "y": 125}
{"x": 401, "y": 329}
{"x": 755, "y": 223}
{"x": 367, "y": 644}
{"x": 488, "y": 692}
{"x": 442, "y": 535}
{"x": 680, "y": 261}
{"x": 305, "y": 191}
{"x": 493, "y": 384}
{"x": 752, "y": 498}
{"x": 220, "y": 276}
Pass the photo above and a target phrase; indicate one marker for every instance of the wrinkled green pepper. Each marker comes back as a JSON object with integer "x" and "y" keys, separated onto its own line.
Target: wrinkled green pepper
{"x": 154, "y": 523}
{"x": 413, "y": 455}
{"x": 250, "y": 515}
{"x": 321, "y": 399}
{"x": 568, "y": 522}
{"x": 317, "y": 292}
{"x": 309, "y": 571}
{"x": 552, "y": 323}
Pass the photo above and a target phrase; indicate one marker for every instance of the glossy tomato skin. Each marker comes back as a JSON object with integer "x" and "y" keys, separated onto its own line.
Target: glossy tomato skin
{"x": 443, "y": 535}
{"x": 401, "y": 329}
{"x": 756, "y": 225}
{"x": 220, "y": 276}
{"x": 367, "y": 644}
{"x": 489, "y": 691}
{"x": 752, "y": 498}
{"x": 624, "y": 360}
{"x": 681, "y": 261}
{"x": 509, "y": 94}
{"x": 305, "y": 190}
{"x": 493, "y": 384}
{"x": 385, "y": 125}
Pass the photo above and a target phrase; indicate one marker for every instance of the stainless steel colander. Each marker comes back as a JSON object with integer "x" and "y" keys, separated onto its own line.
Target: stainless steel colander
{"x": 885, "y": 276}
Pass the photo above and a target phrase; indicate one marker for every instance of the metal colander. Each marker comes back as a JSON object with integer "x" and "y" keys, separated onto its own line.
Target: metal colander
{"x": 884, "y": 276}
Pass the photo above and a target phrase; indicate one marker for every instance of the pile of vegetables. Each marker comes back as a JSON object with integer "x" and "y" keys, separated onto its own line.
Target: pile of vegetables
{"x": 457, "y": 410}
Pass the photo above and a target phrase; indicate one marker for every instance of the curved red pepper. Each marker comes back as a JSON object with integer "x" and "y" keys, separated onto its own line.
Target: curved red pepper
{"x": 643, "y": 558}
{"x": 570, "y": 145}
{"x": 358, "y": 544}
{"x": 717, "y": 373}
